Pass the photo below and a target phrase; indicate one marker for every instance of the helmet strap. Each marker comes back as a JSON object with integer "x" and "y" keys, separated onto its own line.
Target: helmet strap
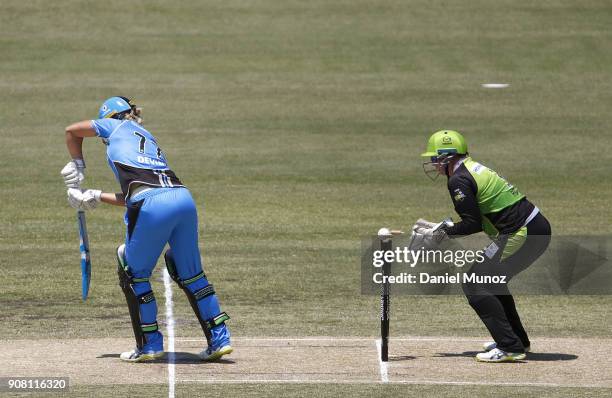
{"x": 446, "y": 163}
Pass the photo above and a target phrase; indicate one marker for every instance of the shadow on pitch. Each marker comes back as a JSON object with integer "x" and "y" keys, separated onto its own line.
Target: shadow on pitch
{"x": 532, "y": 356}
{"x": 180, "y": 358}
{"x": 190, "y": 358}
{"x": 398, "y": 358}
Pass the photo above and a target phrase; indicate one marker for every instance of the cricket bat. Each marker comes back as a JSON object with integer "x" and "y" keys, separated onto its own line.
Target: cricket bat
{"x": 85, "y": 259}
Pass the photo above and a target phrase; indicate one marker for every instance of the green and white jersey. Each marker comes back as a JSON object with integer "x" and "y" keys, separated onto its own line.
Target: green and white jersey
{"x": 486, "y": 201}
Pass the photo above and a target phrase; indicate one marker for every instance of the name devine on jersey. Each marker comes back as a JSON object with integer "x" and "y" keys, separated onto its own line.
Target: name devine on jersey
{"x": 150, "y": 161}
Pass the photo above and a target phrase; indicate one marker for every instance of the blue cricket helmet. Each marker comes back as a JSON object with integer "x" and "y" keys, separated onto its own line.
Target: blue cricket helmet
{"x": 115, "y": 107}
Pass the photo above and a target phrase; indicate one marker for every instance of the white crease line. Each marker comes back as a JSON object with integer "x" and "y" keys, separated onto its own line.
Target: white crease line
{"x": 384, "y": 367}
{"x": 170, "y": 332}
{"x": 289, "y": 339}
{"x": 454, "y": 339}
{"x": 425, "y": 382}
{"x": 368, "y": 339}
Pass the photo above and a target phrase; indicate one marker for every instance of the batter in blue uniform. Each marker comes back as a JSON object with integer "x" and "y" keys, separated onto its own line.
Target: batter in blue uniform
{"x": 160, "y": 211}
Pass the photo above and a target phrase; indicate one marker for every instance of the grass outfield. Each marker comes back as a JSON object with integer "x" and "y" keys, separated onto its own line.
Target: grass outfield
{"x": 297, "y": 126}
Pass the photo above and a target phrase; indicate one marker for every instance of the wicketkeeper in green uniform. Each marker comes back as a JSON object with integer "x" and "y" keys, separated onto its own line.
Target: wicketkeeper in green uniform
{"x": 519, "y": 232}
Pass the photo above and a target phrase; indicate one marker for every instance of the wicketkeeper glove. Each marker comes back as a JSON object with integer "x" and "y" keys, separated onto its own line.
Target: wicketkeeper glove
{"x": 74, "y": 173}
{"x": 424, "y": 223}
{"x": 432, "y": 233}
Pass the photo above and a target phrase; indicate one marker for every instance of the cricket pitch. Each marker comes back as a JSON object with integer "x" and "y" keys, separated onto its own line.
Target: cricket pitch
{"x": 555, "y": 362}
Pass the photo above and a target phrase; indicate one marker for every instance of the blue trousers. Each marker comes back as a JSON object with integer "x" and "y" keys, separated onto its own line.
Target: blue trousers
{"x": 154, "y": 218}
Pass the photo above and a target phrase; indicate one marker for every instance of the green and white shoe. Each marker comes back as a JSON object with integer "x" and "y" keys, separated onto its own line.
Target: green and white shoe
{"x": 139, "y": 356}
{"x": 210, "y": 355}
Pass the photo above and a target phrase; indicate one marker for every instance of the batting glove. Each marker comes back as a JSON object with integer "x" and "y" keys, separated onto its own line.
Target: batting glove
{"x": 91, "y": 199}
{"x": 74, "y": 173}
{"x": 84, "y": 200}
{"x": 75, "y": 198}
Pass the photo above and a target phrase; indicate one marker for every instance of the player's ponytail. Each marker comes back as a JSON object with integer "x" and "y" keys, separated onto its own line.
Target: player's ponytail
{"x": 134, "y": 113}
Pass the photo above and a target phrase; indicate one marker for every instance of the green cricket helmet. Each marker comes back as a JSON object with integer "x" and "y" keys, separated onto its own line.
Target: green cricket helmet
{"x": 443, "y": 146}
{"x": 445, "y": 142}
